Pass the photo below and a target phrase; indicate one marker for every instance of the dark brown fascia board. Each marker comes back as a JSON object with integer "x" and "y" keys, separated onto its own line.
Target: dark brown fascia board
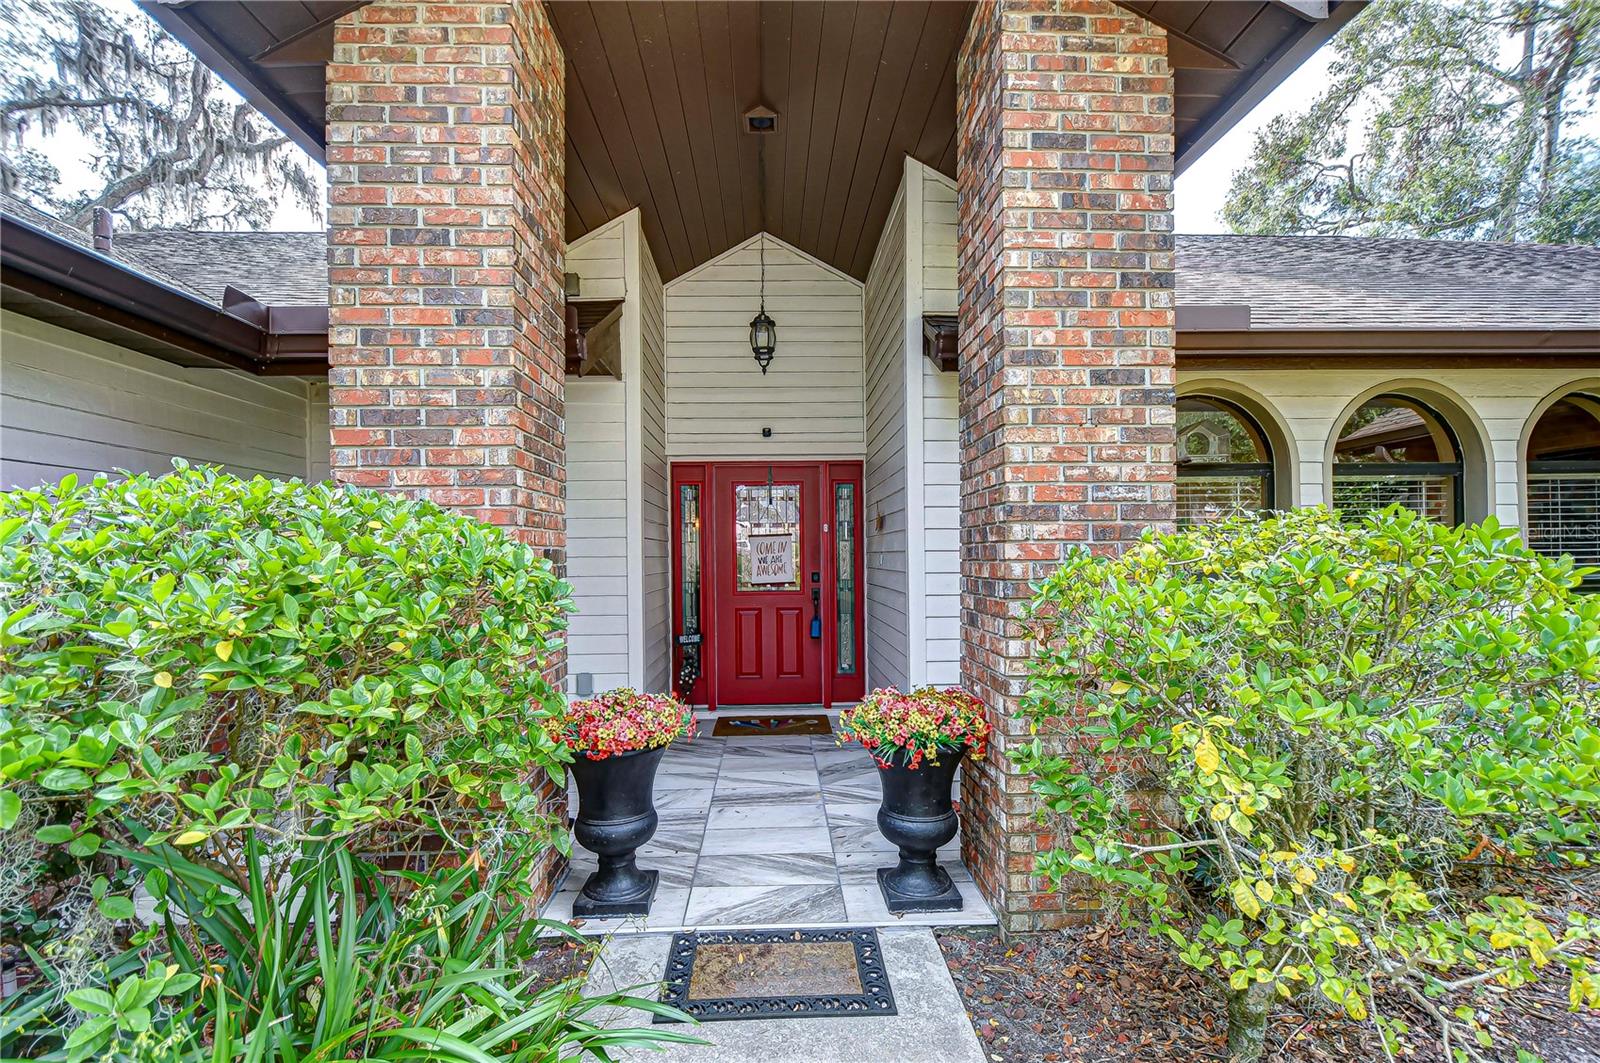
{"x": 1470, "y": 344}
{"x": 47, "y": 267}
{"x": 1268, "y": 75}
{"x": 23, "y": 293}
{"x": 240, "y": 72}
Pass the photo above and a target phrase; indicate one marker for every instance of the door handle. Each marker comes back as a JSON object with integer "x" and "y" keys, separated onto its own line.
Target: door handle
{"x": 816, "y": 613}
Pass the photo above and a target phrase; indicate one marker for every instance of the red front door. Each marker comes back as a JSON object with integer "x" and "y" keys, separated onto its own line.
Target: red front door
{"x": 767, "y": 584}
{"x": 768, "y": 604}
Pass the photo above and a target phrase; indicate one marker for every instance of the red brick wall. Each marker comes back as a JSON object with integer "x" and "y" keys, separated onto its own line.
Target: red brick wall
{"x": 446, "y": 152}
{"x": 1065, "y": 149}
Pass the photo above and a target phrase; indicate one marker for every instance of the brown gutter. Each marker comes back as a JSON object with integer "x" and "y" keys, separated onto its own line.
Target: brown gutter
{"x": 1343, "y": 348}
{"x": 48, "y": 268}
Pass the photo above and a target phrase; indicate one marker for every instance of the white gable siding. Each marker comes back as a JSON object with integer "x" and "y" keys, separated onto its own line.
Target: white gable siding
{"x": 887, "y": 509}
{"x": 617, "y": 531}
{"x": 599, "y": 260}
{"x": 717, "y": 399}
{"x": 652, "y": 405}
{"x": 939, "y": 292}
{"x": 941, "y": 533}
{"x": 597, "y": 530}
{"x": 73, "y": 404}
{"x": 597, "y": 478}
{"x": 941, "y": 433}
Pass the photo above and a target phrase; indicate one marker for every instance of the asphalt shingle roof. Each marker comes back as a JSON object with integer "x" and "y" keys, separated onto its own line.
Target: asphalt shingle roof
{"x": 278, "y": 269}
{"x": 1289, "y": 282}
{"x": 150, "y": 266}
{"x": 1347, "y": 282}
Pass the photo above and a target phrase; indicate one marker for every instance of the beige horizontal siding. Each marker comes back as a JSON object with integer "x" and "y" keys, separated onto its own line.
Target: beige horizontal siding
{"x": 73, "y": 404}
{"x": 717, "y": 400}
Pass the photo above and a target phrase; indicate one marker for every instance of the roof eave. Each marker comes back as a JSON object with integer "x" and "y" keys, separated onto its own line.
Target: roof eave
{"x": 1267, "y": 76}
{"x": 239, "y": 72}
{"x": 184, "y": 329}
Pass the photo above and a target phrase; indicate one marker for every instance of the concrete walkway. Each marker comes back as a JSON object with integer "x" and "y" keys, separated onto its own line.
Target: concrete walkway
{"x": 765, "y": 832}
{"x": 931, "y": 1026}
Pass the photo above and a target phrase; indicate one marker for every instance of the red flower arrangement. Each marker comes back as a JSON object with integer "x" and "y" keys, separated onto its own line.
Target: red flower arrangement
{"x": 621, "y": 721}
{"x": 907, "y": 729}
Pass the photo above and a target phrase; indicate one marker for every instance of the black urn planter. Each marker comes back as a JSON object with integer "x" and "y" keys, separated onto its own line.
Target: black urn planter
{"x": 917, "y": 815}
{"x": 616, "y": 815}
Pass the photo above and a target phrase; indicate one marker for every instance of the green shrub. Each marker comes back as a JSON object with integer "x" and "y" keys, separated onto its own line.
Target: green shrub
{"x": 328, "y": 964}
{"x": 222, "y": 699}
{"x": 193, "y": 654}
{"x": 1316, "y": 756}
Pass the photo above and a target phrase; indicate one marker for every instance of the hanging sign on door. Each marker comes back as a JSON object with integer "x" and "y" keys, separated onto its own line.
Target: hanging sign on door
{"x": 772, "y": 558}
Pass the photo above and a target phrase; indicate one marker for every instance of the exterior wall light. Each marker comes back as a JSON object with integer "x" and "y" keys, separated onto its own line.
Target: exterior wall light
{"x": 763, "y": 330}
{"x": 763, "y": 339}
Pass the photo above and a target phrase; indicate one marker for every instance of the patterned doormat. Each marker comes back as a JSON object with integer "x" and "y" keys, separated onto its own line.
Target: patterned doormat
{"x": 773, "y": 974}
{"x": 813, "y": 724}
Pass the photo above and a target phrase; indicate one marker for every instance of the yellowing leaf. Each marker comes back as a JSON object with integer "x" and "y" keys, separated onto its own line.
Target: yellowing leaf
{"x": 225, "y": 649}
{"x": 1305, "y": 875}
{"x": 1263, "y": 889}
{"x": 163, "y": 680}
{"x": 1205, "y": 755}
{"x": 189, "y": 837}
{"x": 1245, "y": 900}
{"x": 1221, "y": 811}
{"x": 1120, "y": 688}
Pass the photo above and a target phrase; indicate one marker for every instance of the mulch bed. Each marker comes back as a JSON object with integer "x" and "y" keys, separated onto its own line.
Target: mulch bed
{"x": 558, "y": 959}
{"x": 1108, "y": 994}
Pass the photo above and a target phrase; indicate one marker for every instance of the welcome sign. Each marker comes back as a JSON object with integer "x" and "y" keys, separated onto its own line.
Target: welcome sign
{"x": 772, "y": 558}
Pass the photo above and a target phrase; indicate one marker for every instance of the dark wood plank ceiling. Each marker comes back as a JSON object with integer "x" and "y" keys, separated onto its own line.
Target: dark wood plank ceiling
{"x": 656, "y": 94}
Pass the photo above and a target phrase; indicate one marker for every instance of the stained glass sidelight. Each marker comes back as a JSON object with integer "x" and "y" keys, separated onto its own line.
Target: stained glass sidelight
{"x": 844, "y": 517}
{"x": 689, "y": 664}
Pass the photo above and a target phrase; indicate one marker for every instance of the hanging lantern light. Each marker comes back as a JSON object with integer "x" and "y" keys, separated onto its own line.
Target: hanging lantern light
{"x": 763, "y": 339}
{"x": 763, "y": 330}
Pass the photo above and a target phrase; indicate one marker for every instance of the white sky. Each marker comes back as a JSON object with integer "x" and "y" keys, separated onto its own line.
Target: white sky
{"x": 1200, "y": 190}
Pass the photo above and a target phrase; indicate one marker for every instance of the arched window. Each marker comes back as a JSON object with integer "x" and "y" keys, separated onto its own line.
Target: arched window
{"x": 1394, "y": 449}
{"x": 1564, "y": 480}
{"x": 1224, "y": 461}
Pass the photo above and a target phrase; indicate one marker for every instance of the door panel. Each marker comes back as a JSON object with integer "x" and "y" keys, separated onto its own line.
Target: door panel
{"x": 790, "y": 652}
{"x": 747, "y": 643}
{"x": 765, "y": 549}
{"x": 768, "y": 608}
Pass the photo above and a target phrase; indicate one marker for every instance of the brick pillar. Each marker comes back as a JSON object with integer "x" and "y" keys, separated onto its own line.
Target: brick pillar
{"x": 446, "y": 150}
{"x": 1065, "y": 245}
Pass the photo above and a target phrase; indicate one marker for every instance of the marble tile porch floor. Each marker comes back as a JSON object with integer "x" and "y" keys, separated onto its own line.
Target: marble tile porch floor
{"x": 767, "y": 832}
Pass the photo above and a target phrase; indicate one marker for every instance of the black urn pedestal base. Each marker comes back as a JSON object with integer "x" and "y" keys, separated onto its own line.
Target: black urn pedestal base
{"x": 944, "y": 897}
{"x": 917, "y": 816}
{"x": 606, "y": 902}
{"x": 616, "y": 815}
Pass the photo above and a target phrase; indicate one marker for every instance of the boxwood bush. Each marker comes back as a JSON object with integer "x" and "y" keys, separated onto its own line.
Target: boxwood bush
{"x": 1326, "y": 756}
{"x": 185, "y": 657}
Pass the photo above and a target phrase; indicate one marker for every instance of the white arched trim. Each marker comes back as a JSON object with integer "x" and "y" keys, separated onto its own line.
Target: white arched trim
{"x": 1477, "y": 461}
{"x": 1285, "y": 469}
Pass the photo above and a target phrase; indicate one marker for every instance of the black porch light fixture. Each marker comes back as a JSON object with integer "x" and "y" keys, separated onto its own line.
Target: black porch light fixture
{"x": 763, "y": 330}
